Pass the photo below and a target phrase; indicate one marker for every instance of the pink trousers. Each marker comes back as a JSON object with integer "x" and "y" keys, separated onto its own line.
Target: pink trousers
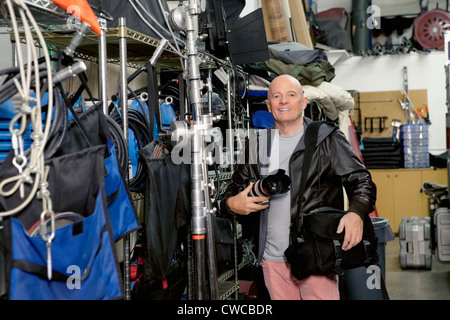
{"x": 283, "y": 286}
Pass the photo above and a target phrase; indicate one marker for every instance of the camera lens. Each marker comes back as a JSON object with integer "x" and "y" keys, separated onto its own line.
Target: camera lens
{"x": 274, "y": 183}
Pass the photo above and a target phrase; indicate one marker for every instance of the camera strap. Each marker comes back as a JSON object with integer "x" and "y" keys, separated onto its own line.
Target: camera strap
{"x": 311, "y": 134}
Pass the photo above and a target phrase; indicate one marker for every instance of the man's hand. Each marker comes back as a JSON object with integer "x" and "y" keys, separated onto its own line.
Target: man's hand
{"x": 353, "y": 226}
{"x": 243, "y": 204}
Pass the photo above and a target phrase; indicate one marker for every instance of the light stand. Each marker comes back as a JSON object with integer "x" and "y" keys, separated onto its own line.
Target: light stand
{"x": 201, "y": 226}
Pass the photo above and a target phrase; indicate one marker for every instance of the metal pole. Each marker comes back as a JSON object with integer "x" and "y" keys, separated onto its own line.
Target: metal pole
{"x": 212, "y": 261}
{"x": 124, "y": 106}
{"x": 210, "y": 239}
{"x": 230, "y": 136}
{"x": 210, "y": 91}
{"x": 405, "y": 100}
{"x": 103, "y": 79}
{"x": 201, "y": 224}
{"x": 15, "y": 62}
{"x": 199, "y": 186}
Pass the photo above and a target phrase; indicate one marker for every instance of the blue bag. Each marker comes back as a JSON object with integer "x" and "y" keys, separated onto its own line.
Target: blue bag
{"x": 84, "y": 261}
{"x": 120, "y": 208}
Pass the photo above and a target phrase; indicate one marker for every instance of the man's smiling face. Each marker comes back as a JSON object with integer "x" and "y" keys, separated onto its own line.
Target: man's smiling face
{"x": 285, "y": 101}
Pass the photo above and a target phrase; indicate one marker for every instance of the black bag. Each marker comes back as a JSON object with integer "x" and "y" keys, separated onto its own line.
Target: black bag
{"x": 318, "y": 248}
{"x": 165, "y": 226}
{"x": 315, "y": 246}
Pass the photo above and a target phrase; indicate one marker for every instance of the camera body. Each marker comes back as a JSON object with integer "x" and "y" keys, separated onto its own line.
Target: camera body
{"x": 276, "y": 182}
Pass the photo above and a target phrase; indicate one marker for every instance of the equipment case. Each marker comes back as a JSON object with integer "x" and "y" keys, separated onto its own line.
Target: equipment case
{"x": 442, "y": 229}
{"x": 415, "y": 242}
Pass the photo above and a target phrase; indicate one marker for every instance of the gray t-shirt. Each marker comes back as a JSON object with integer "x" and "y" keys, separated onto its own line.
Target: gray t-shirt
{"x": 279, "y": 217}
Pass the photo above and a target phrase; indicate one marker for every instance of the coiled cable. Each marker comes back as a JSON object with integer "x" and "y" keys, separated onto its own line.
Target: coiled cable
{"x": 116, "y": 135}
{"x": 137, "y": 123}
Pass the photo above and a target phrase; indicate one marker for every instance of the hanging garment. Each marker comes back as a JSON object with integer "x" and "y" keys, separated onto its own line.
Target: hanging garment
{"x": 166, "y": 216}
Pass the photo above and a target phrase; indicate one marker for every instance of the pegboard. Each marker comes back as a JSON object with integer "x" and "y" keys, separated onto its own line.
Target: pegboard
{"x": 371, "y": 108}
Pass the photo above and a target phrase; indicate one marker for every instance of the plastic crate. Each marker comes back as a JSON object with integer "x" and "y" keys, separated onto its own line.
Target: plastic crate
{"x": 415, "y": 150}
{"x": 421, "y": 160}
{"x": 419, "y": 143}
{"x": 414, "y": 136}
{"x": 417, "y": 164}
{"x": 414, "y": 128}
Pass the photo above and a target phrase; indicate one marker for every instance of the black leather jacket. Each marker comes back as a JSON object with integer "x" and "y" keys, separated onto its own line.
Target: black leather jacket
{"x": 334, "y": 167}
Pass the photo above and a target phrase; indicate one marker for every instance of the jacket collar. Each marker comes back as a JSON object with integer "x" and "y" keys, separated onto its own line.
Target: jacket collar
{"x": 324, "y": 131}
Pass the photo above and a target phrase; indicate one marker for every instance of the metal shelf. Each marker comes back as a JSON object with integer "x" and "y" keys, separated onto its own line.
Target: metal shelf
{"x": 45, "y": 12}
{"x": 140, "y": 48}
{"x": 246, "y": 259}
{"x": 227, "y": 288}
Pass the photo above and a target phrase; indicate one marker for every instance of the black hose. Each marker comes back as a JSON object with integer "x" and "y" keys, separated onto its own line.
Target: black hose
{"x": 137, "y": 123}
{"x": 59, "y": 126}
{"x": 116, "y": 135}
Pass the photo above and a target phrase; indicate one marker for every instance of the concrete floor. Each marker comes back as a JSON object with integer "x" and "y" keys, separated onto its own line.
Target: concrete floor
{"x": 415, "y": 284}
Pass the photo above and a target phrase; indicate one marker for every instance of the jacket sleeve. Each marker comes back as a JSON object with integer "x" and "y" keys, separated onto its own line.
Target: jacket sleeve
{"x": 356, "y": 179}
{"x": 239, "y": 181}
{"x": 236, "y": 184}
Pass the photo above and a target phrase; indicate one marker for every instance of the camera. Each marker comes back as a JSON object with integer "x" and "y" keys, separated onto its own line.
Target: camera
{"x": 276, "y": 182}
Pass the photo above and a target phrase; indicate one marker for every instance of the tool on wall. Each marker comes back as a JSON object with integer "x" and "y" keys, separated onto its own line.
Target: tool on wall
{"x": 412, "y": 114}
{"x": 395, "y": 123}
{"x": 381, "y": 122}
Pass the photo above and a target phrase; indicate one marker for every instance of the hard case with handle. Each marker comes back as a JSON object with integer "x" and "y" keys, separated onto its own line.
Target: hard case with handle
{"x": 415, "y": 242}
{"x": 442, "y": 234}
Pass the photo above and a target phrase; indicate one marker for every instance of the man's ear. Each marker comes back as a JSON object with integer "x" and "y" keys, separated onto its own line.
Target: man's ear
{"x": 305, "y": 102}
{"x": 268, "y": 105}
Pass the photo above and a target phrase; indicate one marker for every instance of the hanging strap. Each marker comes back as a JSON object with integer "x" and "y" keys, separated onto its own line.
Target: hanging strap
{"x": 310, "y": 144}
{"x": 153, "y": 99}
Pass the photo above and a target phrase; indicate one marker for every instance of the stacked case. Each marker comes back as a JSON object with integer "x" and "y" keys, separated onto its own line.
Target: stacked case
{"x": 414, "y": 141}
{"x": 415, "y": 242}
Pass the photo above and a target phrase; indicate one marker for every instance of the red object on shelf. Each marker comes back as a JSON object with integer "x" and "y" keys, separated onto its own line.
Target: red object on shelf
{"x": 85, "y": 11}
{"x": 429, "y": 28}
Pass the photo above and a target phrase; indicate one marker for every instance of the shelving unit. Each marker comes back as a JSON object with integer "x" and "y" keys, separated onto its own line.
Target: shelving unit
{"x": 140, "y": 48}
{"x": 125, "y": 47}
{"x": 226, "y": 286}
